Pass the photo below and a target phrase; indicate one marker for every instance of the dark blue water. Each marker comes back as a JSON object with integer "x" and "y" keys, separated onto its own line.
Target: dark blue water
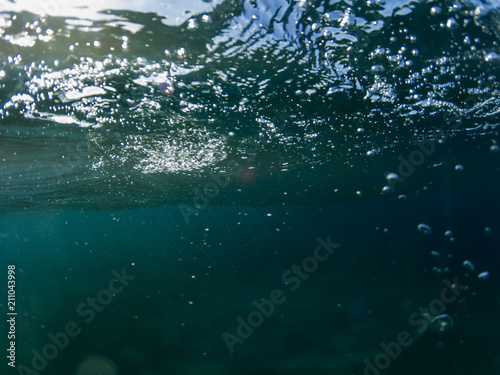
{"x": 250, "y": 187}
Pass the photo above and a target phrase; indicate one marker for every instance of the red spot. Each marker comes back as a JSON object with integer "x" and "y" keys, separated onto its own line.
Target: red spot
{"x": 166, "y": 88}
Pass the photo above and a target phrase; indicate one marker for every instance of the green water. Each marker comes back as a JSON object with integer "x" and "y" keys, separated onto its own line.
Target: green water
{"x": 250, "y": 187}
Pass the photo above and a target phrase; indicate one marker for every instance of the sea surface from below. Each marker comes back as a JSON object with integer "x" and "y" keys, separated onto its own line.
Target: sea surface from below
{"x": 250, "y": 187}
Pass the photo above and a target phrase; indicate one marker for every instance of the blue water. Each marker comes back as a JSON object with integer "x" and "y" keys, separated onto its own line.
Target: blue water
{"x": 237, "y": 187}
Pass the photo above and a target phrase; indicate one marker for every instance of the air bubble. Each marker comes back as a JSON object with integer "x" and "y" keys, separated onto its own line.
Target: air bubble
{"x": 483, "y": 275}
{"x": 481, "y": 11}
{"x": 492, "y": 56}
{"x": 391, "y": 176}
{"x": 166, "y": 88}
{"x": 459, "y": 167}
{"x": 495, "y": 149}
{"x": 424, "y": 229}
{"x": 436, "y": 10}
{"x": 192, "y": 24}
{"x": 451, "y": 23}
{"x": 448, "y": 234}
{"x": 442, "y": 323}
{"x": 468, "y": 265}
{"x": 378, "y": 69}
{"x": 487, "y": 230}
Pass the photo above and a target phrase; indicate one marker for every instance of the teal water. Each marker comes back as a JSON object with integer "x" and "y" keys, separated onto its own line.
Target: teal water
{"x": 207, "y": 148}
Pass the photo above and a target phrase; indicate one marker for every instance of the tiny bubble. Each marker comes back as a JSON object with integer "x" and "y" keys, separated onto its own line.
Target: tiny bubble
{"x": 436, "y": 10}
{"x": 441, "y": 323}
{"x": 483, "y": 275}
{"x": 492, "y": 56}
{"x": 392, "y": 176}
{"x": 468, "y": 265}
{"x": 378, "y": 69}
{"x": 424, "y": 229}
{"x": 451, "y": 23}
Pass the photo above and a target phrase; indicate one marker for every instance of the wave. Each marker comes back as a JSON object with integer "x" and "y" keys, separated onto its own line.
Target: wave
{"x": 249, "y": 102}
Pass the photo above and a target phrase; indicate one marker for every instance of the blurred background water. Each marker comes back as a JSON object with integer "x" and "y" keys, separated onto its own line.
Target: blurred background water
{"x": 204, "y": 146}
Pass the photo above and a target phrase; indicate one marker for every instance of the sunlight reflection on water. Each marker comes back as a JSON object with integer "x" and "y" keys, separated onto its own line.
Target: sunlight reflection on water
{"x": 175, "y": 12}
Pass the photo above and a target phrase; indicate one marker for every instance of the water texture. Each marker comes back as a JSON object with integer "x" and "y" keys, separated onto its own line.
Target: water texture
{"x": 251, "y": 187}
{"x": 127, "y": 110}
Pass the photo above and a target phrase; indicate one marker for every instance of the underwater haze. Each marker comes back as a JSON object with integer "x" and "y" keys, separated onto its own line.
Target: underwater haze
{"x": 250, "y": 187}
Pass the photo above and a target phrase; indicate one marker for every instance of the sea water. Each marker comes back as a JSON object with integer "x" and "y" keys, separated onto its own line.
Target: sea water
{"x": 250, "y": 187}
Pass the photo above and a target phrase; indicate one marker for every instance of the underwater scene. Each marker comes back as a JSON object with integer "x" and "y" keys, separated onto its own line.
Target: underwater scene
{"x": 250, "y": 187}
